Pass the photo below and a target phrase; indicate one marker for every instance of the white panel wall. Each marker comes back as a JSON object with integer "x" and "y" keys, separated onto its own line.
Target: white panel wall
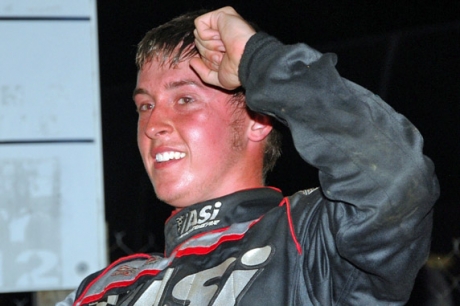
{"x": 52, "y": 231}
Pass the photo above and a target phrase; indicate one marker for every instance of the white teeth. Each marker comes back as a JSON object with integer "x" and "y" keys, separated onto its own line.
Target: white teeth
{"x": 165, "y": 156}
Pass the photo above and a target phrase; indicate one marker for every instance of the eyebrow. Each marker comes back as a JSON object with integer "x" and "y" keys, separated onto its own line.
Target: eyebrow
{"x": 170, "y": 85}
{"x": 180, "y": 83}
{"x": 139, "y": 91}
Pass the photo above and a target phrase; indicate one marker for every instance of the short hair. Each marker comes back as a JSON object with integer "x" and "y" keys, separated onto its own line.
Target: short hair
{"x": 173, "y": 42}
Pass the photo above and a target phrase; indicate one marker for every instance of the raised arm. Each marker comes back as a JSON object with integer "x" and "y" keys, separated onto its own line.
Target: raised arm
{"x": 377, "y": 185}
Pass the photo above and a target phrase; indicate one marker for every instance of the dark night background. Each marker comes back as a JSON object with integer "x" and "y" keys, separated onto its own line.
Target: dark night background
{"x": 408, "y": 52}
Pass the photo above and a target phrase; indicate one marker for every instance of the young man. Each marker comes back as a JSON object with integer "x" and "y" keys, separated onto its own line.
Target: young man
{"x": 359, "y": 239}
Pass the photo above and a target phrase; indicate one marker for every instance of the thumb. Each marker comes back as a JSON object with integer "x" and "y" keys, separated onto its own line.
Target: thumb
{"x": 206, "y": 75}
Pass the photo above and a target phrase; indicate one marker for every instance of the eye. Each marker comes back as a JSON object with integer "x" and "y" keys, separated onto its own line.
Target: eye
{"x": 185, "y": 100}
{"x": 145, "y": 107}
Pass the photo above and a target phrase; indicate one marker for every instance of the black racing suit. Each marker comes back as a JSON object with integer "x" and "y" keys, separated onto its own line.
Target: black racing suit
{"x": 359, "y": 239}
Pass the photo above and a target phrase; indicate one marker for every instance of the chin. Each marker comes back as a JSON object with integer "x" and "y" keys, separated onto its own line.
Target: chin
{"x": 170, "y": 200}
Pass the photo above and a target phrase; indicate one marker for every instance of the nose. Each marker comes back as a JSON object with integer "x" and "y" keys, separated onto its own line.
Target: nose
{"x": 159, "y": 123}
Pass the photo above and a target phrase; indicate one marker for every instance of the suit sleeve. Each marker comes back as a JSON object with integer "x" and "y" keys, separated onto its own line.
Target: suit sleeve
{"x": 369, "y": 157}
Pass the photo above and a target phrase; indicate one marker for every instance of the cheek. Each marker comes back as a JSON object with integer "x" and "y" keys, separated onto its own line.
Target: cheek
{"x": 216, "y": 127}
{"x": 208, "y": 136}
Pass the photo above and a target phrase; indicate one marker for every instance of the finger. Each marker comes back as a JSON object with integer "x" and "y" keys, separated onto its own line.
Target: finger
{"x": 206, "y": 33}
{"x": 214, "y": 62}
{"x": 212, "y": 45}
{"x": 206, "y": 75}
{"x": 206, "y": 25}
{"x": 213, "y": 57}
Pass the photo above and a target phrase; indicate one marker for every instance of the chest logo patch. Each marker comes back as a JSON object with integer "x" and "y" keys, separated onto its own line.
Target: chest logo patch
{"x": 197, "y": 219}
{"x": 217, "y": 286}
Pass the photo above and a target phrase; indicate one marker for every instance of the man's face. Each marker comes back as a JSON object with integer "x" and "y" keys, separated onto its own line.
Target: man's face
{"x": 191, "y": 138}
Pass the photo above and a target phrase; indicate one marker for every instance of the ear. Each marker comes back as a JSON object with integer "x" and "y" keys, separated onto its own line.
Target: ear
{"x": 259, "y": 128}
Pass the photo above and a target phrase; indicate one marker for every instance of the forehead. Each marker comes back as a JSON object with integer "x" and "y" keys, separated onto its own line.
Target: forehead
{"x": 158, "y": 73}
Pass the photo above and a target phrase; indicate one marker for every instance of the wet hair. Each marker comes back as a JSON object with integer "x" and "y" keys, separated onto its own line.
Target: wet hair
{"x": 173, "y": 42}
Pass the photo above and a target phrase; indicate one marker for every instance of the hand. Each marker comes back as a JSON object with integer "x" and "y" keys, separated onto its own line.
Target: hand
{"x": 220, "y": 37}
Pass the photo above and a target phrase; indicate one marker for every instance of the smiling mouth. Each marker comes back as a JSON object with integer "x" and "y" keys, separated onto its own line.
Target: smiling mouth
{"x": 167, "y": 156}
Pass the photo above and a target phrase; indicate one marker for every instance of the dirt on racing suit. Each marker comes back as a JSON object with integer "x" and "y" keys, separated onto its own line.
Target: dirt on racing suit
{"x": 359, "y": 239}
